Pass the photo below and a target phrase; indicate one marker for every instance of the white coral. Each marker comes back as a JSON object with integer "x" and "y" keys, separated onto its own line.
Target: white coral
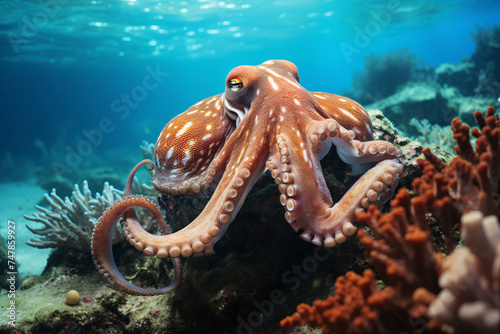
{"x": 70, "y": 222}
{"x": 470, "y": 299}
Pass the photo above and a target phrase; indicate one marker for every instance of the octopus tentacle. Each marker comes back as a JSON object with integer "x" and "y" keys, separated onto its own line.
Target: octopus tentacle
{"x": 350, "y": 150}
{"x": 102, "y": 252}
{"x": 201, "y": 234}
{"x": 101, "y": 242}
{"x": 305, "y": 196}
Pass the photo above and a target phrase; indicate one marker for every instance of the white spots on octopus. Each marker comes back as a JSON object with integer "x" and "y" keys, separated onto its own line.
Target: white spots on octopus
{"x": 186, "y": 157}
{"x": 184, "y": 128}
{"x": 296, "y": 102}
{"x": 283, "y": 109}
{"x": 368, "y": 128}
{"x": 205, "y": 137}
{"x": 293, "y": 83}
{"x": 273, "y": 84}
{"x": 343, "y": 100}
{"x": 348, "y": 114}
{"x": 170, "y": 152}
{"x": 192, "y": 112}
{"x": 319, "y": 96}
{"x": 304, "y": 153}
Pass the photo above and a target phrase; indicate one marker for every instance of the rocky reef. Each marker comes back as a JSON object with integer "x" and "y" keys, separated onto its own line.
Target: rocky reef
{"x": 404, "y": 87}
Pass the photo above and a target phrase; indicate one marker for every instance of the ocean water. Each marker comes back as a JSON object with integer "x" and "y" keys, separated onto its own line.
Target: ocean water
{"x": 67, "y": 66}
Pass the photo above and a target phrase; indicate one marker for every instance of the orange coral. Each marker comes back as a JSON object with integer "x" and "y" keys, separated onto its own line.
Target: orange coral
{"x": 404, "y": 256}
{"x": 405, "y": 260}
{"x": 471, "y": 181}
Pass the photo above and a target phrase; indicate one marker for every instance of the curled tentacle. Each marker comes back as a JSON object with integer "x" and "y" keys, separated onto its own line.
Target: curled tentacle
{"x": 102, "y": 236}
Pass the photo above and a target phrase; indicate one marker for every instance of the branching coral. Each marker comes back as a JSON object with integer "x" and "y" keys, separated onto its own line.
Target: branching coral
{"x": 413, "y": 300}
{"x": 471, "y": 181}
{"x": 70, "y": 222}
{"x": 405, "y": 260}
{"x": 470, "y": 299}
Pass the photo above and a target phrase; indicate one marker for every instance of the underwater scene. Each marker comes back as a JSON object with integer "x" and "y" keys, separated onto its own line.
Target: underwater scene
{"x": 250, "y": 167}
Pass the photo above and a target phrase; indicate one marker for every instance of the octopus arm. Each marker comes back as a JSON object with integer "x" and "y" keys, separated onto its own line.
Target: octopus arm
{"x": 305, "y": 196}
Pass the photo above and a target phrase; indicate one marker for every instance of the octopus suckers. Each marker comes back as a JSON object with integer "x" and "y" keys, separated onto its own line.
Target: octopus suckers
{"x": 329, "y": 242}
{"x": 205, "y": 238}
{"x": 289, "y": 217}
{"x": 225, "y": 218}
{"x": 340, "y": 238}
{"x": 283, "y": 199}
{"x": 348, "y": 229}
{"x": 186, "y": 251}
{"x": 149, "y": 251}
{"x": 245, "y": 173}
{"x": 162, "y": 253}
{"x": 198, "y": 247}
{"x": 287, "y": 178}
{"x": 238, "y": 182}
{"x": 228, "y": 206}
{"x": 372, "y": 195}
{"x": 388, "y": 179}
{"x": 214, "y": 231}
{"x": 175, "y": 251}
{"x": 232, "y": 193}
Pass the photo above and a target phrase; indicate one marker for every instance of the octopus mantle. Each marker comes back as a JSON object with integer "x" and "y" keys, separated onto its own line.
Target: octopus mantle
{"x": 264, "y": 120}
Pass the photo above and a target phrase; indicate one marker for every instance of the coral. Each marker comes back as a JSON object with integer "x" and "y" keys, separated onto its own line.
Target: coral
{"x": 470, "y": 279}
{"x": 383, "y": 75}
{"x": 433, "y": 134}
{"x": 471, "y": 181}
{"x": 147, "y": 149}
{"x": 423, "y": 291}
{"x": 405, "y": 260}
{"x": 70, "y": 222}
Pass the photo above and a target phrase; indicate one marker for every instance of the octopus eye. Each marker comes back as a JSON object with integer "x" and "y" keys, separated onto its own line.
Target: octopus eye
{"x": 235, "y": 84}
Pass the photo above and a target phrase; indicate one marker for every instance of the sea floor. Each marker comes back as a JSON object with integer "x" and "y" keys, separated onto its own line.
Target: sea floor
{"x": 18, "y": 199}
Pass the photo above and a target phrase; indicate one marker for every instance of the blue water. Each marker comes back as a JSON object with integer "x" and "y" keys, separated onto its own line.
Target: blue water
{"x": 65, "y": 64}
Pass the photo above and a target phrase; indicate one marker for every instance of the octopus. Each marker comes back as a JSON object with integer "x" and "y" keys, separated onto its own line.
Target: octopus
{"x": 264, "y": 121}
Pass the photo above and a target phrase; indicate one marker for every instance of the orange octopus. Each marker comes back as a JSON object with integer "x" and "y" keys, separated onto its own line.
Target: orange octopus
{"x": 264, "y": 120}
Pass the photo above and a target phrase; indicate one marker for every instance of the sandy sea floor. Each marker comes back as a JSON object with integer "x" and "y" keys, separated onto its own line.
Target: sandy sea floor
{"x": 18, "y": 199}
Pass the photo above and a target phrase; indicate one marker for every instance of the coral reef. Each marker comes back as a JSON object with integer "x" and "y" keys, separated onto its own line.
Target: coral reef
{"x": 423, "y": 291}
{"x": 70, "y": 222}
